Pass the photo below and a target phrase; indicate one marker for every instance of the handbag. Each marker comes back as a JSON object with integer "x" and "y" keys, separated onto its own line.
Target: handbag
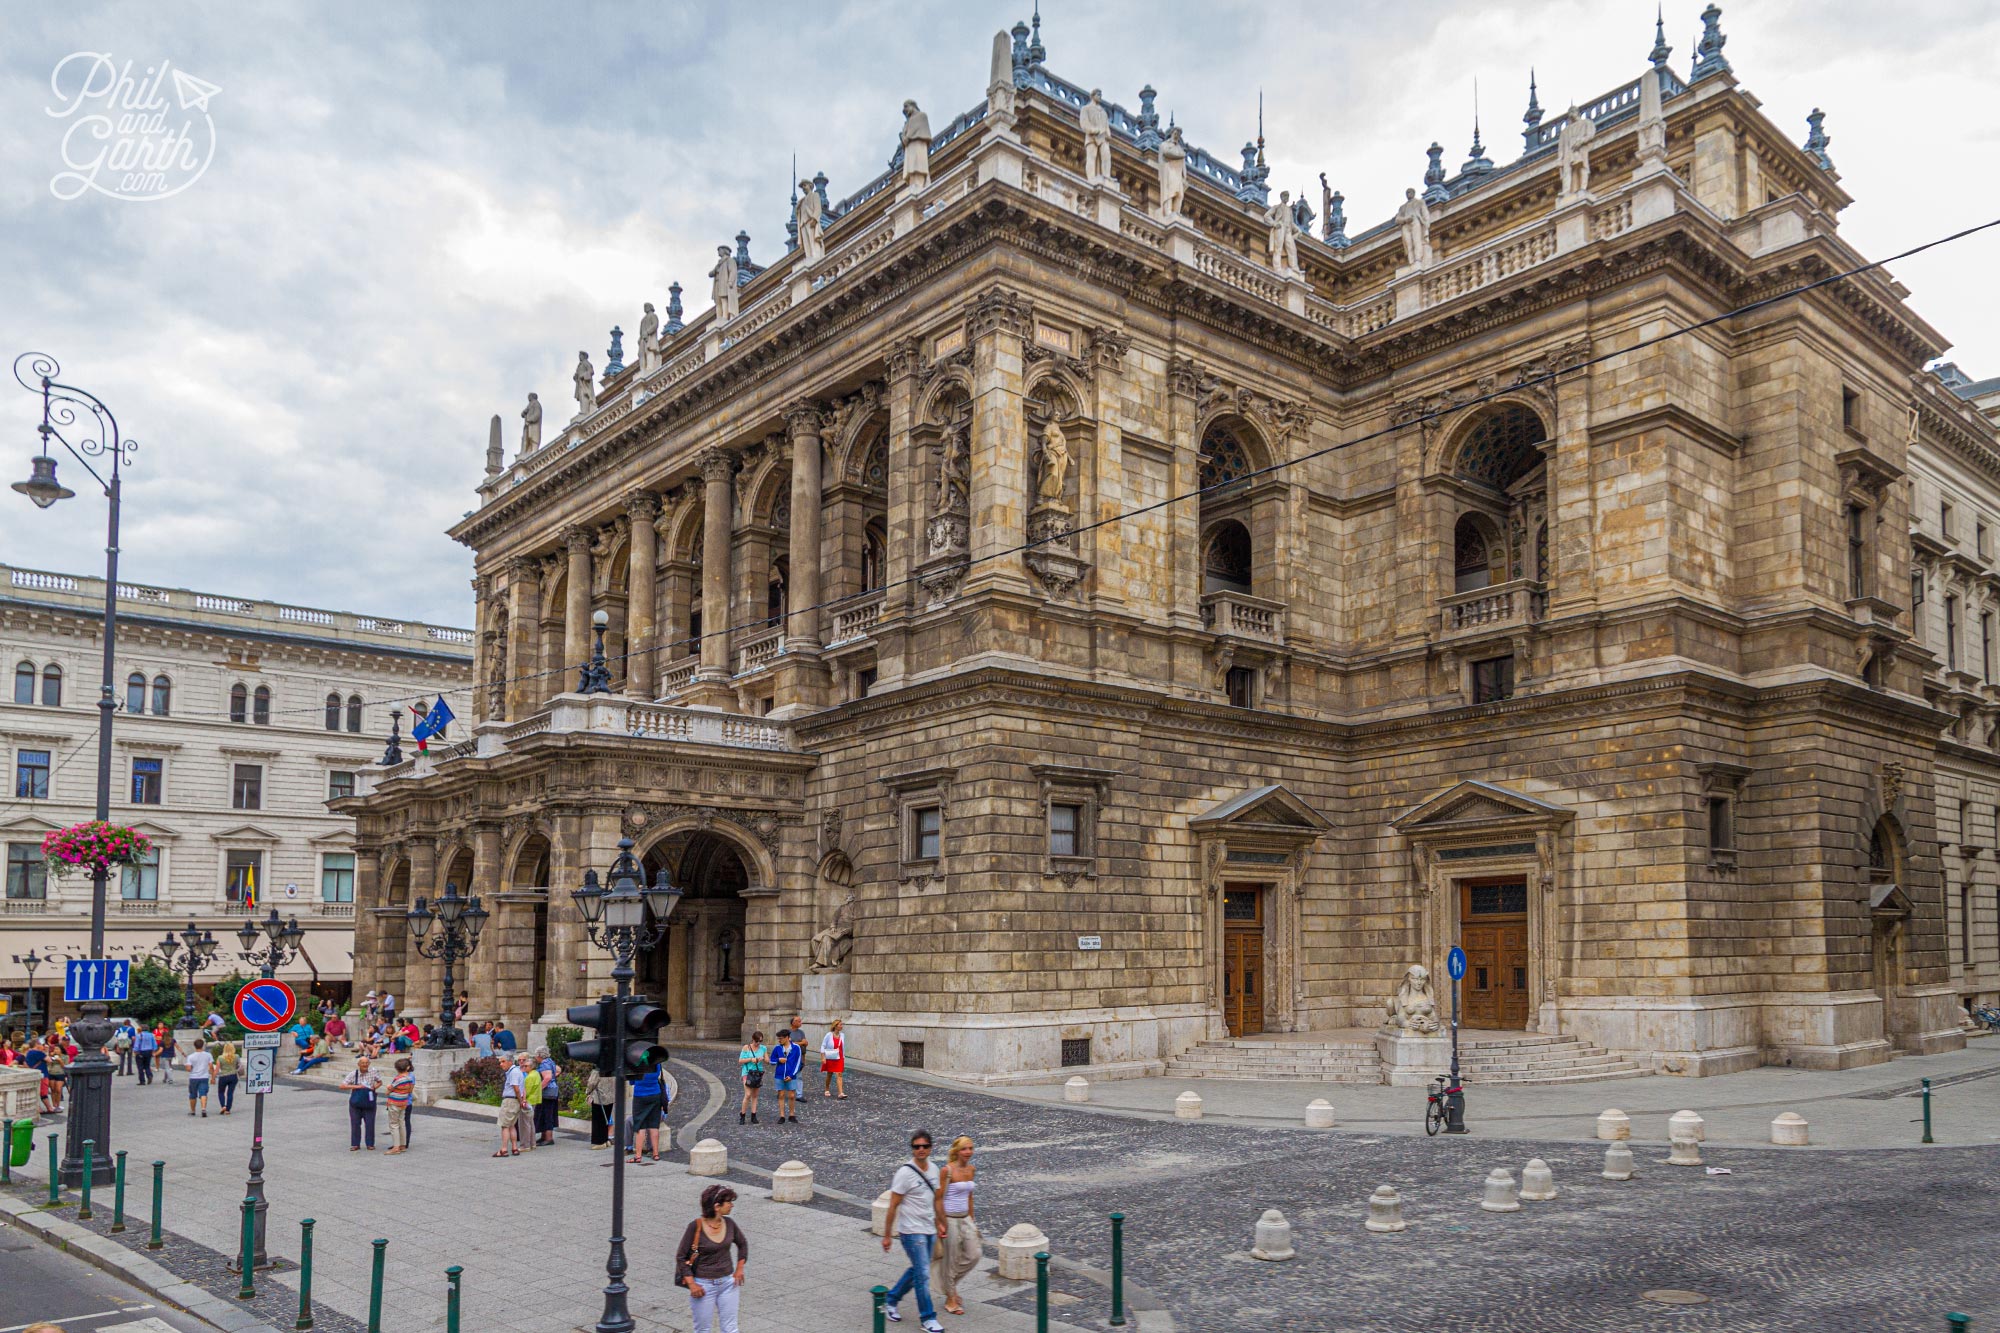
{"x": 362, "y": 1098}
{"x": 755, "y": 1078}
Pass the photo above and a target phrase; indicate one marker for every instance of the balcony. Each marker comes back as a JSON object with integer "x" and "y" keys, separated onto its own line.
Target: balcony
{"x": 759, "y": 652}
{"x": 1240, "y": 616}
{"x": 856, "y": 620}
{"x": 1495, "y": 610}
{"x": 327, "y": 909}
{"x": 677, "y": 676}
{"x": 138, "y": 907}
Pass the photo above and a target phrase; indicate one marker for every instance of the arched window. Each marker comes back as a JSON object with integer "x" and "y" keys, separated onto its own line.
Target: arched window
{"x": 774, "y": 592}
{"x": 52, "y": 685}
{"x": 874, "y": 556}
{"x": 1542, "y": 552}
{"x": 1226, "y": 561}
{"x": 261, "y": 709}
{"x": 1502, "y": 447}
{"x": 1223, "y": 457}
{"x": 1881, "y": 854}
{"x": 163, "y": 696}
{"x": 354, "y": 713}
{"x": 24, "y": 683}
{"x": 239, "y": 703}
{"x": 333, "y": 712}
{"x": 1472, "y": 557}
{"x": 875, "y": 466}
{"x": 135, "y": 692}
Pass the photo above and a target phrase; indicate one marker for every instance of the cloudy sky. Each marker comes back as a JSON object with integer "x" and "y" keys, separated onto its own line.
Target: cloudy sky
{"x": 412, "y": 214}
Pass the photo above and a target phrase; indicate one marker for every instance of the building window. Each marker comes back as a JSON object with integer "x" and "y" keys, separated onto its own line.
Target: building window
{"x": 24, "y": 683}
{"x": 148, "y": 776}
{"x": 333, "y": 712}
{"x": 135, "y": 692}
{"x": 336, "y": 877}
{"x": 163, "y": 696}
{"x": 926, "y": 832}
{"x": 1857, "y": 551}
{"x": 31, "y": 774}
{"x": 261, "y": 707}
{"x": 1471, "y": 560}
{"x": 339, "y": 783}
{"x": 1979, "y": 538}
{"x": 141, "y": 883}
{"x": 242, "y": 873}
{"x": 27, "y": 872}
{"x": 1944, "y": 518}
{"x": 1986, "y": 646}
{"x": 1075, "y": 1052}
{"x": 1951, "y": 633}
{"x": 52, "y": 686}
{"x": 354, "y": 713}
{"x": 1721, "y": 824}
{"x": 1240, "y": 685}
{"x": 1227, "y": 563}
{"x": 1493, "y": 680}
{"x": 246, "y": 790}
{"x": 1065, "y": 823}
{"x": 239, "y": 703}
{"x": 1850, "y": 409}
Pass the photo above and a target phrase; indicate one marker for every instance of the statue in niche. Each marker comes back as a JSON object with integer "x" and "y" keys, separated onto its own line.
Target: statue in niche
{"x": 831, "y": 946}
{"x": 584, "y": 377}
{"x": 1096, "y": 124}
{"x": 1414, "y": 1009}
{"x": 916, "y": 147}
{"x": 1173, "y": 174}
{"x": 531, "y": 425}
{"x": 649, "y": 341}
{"x": 1054, "y": 470}
{"x": 723, "y": 285}
{"x": 1413, "y": 219}
{"x": 806, "y": 213}
{"x": 1573, "y": 152}
{"x": 1282, "y": 234}
{"x": 954, "y": 481}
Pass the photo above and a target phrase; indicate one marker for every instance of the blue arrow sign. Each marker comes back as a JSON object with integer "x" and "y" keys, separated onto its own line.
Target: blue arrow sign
{"x": 1454, "y": 963}
{"x": 88, "y": 979}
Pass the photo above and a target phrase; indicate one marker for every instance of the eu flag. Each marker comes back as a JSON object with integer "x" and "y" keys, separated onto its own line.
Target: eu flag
{"x": 434, "y": 722}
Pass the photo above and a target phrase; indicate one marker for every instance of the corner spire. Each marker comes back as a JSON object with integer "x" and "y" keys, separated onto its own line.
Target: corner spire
{"x": 1817, "y": 139}
{"x": 1708, "y": 57}
{"x": 1037, "y": 53}
{"x": 1476, "y": 159}
{"x": 1531, "y": 120}
{"x": 1660, "y": 48}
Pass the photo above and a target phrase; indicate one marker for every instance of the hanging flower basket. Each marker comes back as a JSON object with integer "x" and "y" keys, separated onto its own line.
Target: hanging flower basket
{"x": 85, "y": 848}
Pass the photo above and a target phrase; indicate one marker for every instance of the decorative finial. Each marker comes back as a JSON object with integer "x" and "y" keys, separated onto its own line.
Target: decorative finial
{"x": 1037, "y": 53}
{"x": 673, "y": 324}
{"x": 792, "y": 210}
{"x": 1476, "y": 160}
{"x": 1708, "y": 57}
{"x": 1336, "y": 222}
{"x": 1531, "y": 120}
{"x": 1149, "y": 119}
{"x": 819, "y": 185}
{"x": 1302, "y": 214}
{"x": 743, "y": 273}
{"x": 1816, "y": 140}
{"x": 1660, "y": 48}
{"x": 1020, "y": 55}
{"x": 614, "y": 359}
{"x": 1434, "y": 191}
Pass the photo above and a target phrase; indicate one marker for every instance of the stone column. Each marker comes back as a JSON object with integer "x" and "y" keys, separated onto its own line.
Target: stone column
{"x": 1185, "y": 519}
{"x": 576, "y": 609}
{"x": 718, "y": 518}
{"x": 803, "y": 423}
{"x": 524, "y": 624}
{"x": 1000, "y": 324}
{"x": 477, "y": 976}
{"x": 642, "y": 665}
{"x": 419, "y": 995}
{"x": 567, "y": 942}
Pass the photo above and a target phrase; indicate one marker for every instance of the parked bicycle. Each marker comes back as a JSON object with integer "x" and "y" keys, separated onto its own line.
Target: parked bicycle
{"x": 1987, "y": 1018}
{"x": 1434, "y": 1107}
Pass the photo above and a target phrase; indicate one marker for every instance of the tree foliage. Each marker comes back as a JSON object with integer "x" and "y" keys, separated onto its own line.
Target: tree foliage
{"x": 156, "y": 993}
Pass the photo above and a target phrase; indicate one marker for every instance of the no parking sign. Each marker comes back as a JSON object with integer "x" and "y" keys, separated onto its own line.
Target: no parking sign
{"x": 265, "y": 1006}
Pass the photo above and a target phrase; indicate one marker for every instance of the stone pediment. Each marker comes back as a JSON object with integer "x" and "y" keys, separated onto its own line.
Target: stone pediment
{"x": 1270, "y": 809}
{"x": 1886, "y": 900}
{"x": 244, "y": 833}
{"x": 1473, "y": 804}
{"x": 34, "y": 824}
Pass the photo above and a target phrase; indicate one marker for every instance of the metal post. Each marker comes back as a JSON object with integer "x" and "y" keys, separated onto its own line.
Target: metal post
{"x": 1042, "y": 1291}
{"x": 452, "y": 1276}
{"x": 880, "y": 1294}
{"x": 375, "y": 1288}
{"x": 1958, "y": 1323}
{"x": 248, "y": 1291}
{"x": 83, "y": 1208}
{"x": 305, "y": 1319}
{"x": 1454, "y": 1102}
{"x": 55, "y": 1172}
{"x": 118, "y": 1194}
{"x": 1117, "y": 1270}
{"x": 1927, "y": 1112}
{"x": 154, "y": 1242}
{"x": 617, "y": 1316}
{"x": 7, "y": 1152}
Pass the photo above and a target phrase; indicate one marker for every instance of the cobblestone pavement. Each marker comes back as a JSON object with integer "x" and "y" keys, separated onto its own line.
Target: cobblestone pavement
{"x": 1828, "y": 1240}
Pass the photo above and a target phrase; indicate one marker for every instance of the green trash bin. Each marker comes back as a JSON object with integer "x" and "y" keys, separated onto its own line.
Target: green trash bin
{"x": 24, "y": 1142}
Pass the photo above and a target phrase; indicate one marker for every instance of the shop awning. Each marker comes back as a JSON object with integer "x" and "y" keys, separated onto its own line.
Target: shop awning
{"x": 330, "y": 949}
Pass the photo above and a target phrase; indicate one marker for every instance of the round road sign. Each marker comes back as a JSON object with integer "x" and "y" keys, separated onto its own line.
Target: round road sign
{"x": 1454, "y": 963}
{"x": 265, "y": 1006}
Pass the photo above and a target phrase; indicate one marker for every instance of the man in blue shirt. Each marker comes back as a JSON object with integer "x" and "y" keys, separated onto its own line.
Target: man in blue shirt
{"x": 144, "y": 1045}
{"x": 787, "y": 1057}
{"x": 504, "y": 1039}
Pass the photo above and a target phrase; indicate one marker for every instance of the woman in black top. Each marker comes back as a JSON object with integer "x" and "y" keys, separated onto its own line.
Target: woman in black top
{"x": 702, "y": 1263}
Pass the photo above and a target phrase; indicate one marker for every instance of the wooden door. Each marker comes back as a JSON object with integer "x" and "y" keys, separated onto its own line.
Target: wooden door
{"x": 1493, "y": 930}
{"x": 1242, "y": 960}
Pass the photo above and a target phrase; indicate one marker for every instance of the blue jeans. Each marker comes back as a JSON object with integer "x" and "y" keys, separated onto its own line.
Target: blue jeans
{"x": 918, "y": 1274}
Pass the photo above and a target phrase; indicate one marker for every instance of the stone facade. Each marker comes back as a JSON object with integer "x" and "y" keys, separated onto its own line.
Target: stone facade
{"x": 1435, "y": 594}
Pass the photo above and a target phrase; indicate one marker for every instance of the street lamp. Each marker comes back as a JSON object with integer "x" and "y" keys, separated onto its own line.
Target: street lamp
{"x": 629, "y": 916}
{"x": 200, "y": 948}
{"x": 283, "y": 946}
{"x": 595, "y": 677}
{"x": 458, "y": 922}
{"x": 31, "y": 962}
{"x": 66, "y": 406}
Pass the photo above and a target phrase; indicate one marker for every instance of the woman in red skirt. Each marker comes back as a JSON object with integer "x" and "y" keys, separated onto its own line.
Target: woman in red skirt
{"x": 833, "y": 1062}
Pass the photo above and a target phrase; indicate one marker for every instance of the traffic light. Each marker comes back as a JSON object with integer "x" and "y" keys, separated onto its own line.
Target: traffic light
{"x": 643, "y": 1051}
{"x": 601, "y": 1019}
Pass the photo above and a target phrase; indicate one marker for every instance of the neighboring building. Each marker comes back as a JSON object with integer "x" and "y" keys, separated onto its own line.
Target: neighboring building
{"x": 1503, "y": 619}
{"x": 237, "y": 721}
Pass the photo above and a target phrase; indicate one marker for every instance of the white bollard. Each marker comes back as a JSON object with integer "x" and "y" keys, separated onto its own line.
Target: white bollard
{"x": 1319, "y": 1114}
{"x": 1187, "y": 1106}
{"x": 1502, "y": 1195}
{"x": 1684, "y": 1150}
{"x": 1274, "y": 1238}
{"x": 1077, "y": 1089}
{"x": 1689, "y": 1123}
{"x": 878, "y": 1215}
{"x": 1538, "y": 1183}
{"x": 1614, "y": 1125}
{"x": 1617, "y": 1162}
{"x": 1790, "y": 1130}
{"x": 1385, "y": 1210}
{"x": 708, "y": 1158}
{"x": 792, "y": 1183}
{"x": 1018, "y": 1248}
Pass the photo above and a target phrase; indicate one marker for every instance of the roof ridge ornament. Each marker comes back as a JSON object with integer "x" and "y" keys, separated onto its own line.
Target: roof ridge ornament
{"x": 1434, "y": 191}
{"x": 1708, "y": 57}
{"x": 1037, "y": 53}
{"x": 1661, "y": 51}
{"x": 673, "y": 324}
{"x": 1817, "y": 139}
{"x": 1531, "y": 119}
{"x": 614, "y": 358}
{"x": 1020, "y": 34}
{"x": 1476, "y": 161}
{"x": 1148, "y": 118}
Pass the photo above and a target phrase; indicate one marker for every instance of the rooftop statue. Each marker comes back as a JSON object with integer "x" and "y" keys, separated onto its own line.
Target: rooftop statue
{"x": 1173, "y": 174}
{"x": 1281, "y": 239}
{"x": 1573, "y": 157}
{"x": 806, "y": 213}
{"x": 1413, "y": 219}
{"x": 649, "y": 341}
{"x": 531, "y": 425}
{"x": 1096, "y": 123}
{"x": 723, "y": 288}
{"x": 584, "y": 377}
{"x": 916, "y": 147}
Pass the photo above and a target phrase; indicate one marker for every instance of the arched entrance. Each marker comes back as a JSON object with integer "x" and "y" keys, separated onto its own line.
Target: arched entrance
{"x": 697, "y": 969}
{"x": 529, "y": 885}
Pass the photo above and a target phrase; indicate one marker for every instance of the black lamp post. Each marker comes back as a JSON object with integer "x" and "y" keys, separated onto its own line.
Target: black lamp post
{"x": 32, "y": 961}
{"x": 200, "y": 948}
{"x": 457, "y": 922}
{"x": 629, "y": 916}
{"x": 283, "y": 939}
{"x": 64, "y": 405}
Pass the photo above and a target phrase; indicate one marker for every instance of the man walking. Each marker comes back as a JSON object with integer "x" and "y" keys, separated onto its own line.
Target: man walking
{"x": 145, "y": 1046}
{"x": 361, "y": 1085}
{"x": 913, "y": 1222}
{"x": 787, "y": 1060}
{"x": 121, "y": 1042}
{"x": 513, "y": 1091}
{"x": 200, "y": 1064}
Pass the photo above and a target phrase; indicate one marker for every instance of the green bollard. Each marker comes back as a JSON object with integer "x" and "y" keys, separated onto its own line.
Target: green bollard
{"x": 118, "y": 1194}
{"x": 55, "y": 1173}
{"x": 375, "y": 1288}
{"x": 305, "y": 1319}
{"x": 452, "y": 1275}
{"x": 89, "y": 1150}
{"x": 1927, "y": 1112}
{"x": 6, "y": 1152}
{"x": 1958, "y": 1323}
{"x": 881, "y": 1295}
{"x": 248, "y": 1291}
{"x": 1042, "y": 1291}
{"x": 153, "y": 1242}
{"x": 1117, "y": 1270}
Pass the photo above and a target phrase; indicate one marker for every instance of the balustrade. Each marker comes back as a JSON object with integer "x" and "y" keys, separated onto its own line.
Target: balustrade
{"x": 1244, "y": 617}
{"x": 1503, "y": 606}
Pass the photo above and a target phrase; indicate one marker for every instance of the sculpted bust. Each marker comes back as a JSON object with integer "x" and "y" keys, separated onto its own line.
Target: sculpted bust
{"x": 1414, "y": 1007}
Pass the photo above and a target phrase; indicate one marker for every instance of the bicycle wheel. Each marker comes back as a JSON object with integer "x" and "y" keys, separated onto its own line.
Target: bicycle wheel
{"x": 1433, "y": 1118}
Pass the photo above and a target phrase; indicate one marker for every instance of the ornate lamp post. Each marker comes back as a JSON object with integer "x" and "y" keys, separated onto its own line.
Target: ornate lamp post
{"x": 32, "y": 961}
{"x": 200, "y": 948}
{"x": 595, "y": 675}
{"x": 283, "y": 946}
{"x": 64, "y": 405}
{"x": 457, "y": 922}
{"x": 629, "y": 916}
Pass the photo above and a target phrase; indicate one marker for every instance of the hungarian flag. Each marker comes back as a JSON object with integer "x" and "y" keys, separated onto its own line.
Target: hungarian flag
{"x": 431, "y": 723}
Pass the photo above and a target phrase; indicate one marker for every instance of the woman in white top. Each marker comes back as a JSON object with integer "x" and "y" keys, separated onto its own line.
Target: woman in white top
{"x": 833, "y": 1061}
{"x": 960, "y": 1253}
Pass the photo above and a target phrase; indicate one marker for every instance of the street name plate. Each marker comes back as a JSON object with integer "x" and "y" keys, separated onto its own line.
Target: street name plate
{"x": 1090, "y": 941}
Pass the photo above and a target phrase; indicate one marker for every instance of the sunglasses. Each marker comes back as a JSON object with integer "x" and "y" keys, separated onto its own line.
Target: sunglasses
{"x": 920, "y": 1147}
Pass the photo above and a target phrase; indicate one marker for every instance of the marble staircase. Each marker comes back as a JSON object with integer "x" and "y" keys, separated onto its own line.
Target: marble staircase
{"x": 1351, "y": 1057}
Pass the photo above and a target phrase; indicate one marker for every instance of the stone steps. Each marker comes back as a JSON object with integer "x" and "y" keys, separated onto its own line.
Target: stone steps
{"x": 1515, "y": 1058}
